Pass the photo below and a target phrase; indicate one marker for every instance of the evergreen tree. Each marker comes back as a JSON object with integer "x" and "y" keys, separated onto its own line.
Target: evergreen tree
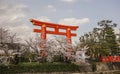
{"x": 109, "y": 37}
{"x": 101, "y": 41}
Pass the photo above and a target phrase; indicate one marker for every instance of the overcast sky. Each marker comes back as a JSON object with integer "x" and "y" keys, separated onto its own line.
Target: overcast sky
{"x": 15, "y": 14}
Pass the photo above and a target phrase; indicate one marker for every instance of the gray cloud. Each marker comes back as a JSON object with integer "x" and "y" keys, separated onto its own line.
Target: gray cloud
{"x": 12, "y": 16}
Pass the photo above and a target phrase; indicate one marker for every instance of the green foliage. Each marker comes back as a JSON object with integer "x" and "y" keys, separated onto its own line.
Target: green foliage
{"x": 58, "y": 58}
{"x": 36, "y": 67}
{"x": 101, "y": 41}
{"x": 24, "y": 59}
{"x": 28, "y": 56}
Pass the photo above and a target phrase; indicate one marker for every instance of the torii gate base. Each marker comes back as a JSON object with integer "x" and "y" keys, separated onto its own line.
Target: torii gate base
{"x": 56, "y": 31}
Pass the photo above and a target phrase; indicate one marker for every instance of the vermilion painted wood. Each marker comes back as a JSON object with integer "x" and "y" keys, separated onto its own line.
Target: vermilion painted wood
{"x": 53, "y": 25}
{"x": 56, "y": 27}
{"x": 110, "y": 59}
{"x": 53, "y": 32}
{"x": 69, "y": 35}
{"x": 56, "y": 31}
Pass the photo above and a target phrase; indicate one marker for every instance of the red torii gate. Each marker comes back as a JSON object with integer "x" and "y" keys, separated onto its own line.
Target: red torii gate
{"x": 56, "y": 31}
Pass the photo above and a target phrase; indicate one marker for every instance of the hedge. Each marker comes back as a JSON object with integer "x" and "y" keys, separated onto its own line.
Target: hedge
{"x": 36, "y": 67}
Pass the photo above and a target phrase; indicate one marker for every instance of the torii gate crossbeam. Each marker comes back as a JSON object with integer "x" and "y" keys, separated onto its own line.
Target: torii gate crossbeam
{"x": 56, "y": 31}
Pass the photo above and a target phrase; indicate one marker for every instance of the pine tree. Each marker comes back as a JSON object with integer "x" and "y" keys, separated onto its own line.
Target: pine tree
{"x": 109, "y": 37}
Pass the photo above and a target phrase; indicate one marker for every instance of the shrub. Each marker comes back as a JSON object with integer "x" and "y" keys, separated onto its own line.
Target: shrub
{"x": 36, "y": 67}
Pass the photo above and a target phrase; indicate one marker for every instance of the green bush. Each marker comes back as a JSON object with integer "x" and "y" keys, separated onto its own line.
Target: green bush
{"x": 36, "y": 67}
{"x": 58, "y": 58}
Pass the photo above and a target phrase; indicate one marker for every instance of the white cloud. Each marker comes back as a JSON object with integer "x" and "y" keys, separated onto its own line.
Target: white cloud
{"x": 51, "y": 8}
{"x": 74, "y": 21}
{"x": 116, "y": 30}
{"x": 69, "y": 0}
{"x": 12, "y": 17}
{"x": 44, "y": 19}
{"x": 23, "y": 32}
{"x": 11, "y": 14}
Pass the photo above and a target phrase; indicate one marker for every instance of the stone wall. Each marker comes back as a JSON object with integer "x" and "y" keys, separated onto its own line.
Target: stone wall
{"x": 107, "y": 66}
{"x": 99, "y": 68}
{"x": 100, "y": 72}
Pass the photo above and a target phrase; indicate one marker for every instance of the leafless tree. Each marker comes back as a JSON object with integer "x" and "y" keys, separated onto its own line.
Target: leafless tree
{"x": 7, "y": 42}
{"x": 4, "y": 34}
{"x": 55, "y": 46}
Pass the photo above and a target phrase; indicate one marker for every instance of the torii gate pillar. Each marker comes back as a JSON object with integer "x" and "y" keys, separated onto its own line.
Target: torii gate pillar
{"x": 43, "y": 35}
{"x": 69, "y": 35}
{"x": 56, "y": 31}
